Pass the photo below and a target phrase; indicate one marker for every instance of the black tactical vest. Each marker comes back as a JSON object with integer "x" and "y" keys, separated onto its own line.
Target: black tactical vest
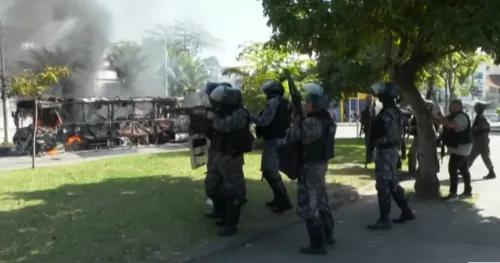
{"x": 378, "y": 131}
{"x": 451, "y": 138}
{"x": 279, "y": 124}
{"x": 477, "y": 132}
{"x": 235, "y": 142}
{"x": 322, "y": 149}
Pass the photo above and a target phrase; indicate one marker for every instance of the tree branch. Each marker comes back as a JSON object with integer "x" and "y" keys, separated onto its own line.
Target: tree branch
{"x": 402, "y": 51}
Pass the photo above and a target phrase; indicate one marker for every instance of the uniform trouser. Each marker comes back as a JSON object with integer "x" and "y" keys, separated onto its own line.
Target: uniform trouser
{"x": 455, "y": 164}
{"x": 368, "y": 149}
{"x": 225, "y": 185}
{"x": 386, "y": 183}
{"x": 481, "y": 146}
{"x": 412, "y": 155}
{"x": 270, "y": 171}
{"x": 312, "y": 202}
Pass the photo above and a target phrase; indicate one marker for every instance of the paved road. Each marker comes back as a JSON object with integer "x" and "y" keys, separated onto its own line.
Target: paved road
{"x": 23, "y": 162}
{"x": 443, "y": 232}
{"x": 14, "y": 163}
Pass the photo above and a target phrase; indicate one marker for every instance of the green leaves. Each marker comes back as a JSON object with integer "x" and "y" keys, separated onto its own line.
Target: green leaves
{"x": 261, "y": 63}
{"x": 34, "y": 85}
{"x": 461, "y": 65}
{"x": 422, "y": 31}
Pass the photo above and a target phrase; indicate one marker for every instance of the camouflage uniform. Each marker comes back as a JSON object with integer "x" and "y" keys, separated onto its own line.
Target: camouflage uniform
{"x": 270, "y": 160}
{"x": 312, "y": 196}
{"x": 366, "y": 117}
{"x": 481, "y": 143}
{"x": 387, "y": 141}
{"x": 227, "y": 181}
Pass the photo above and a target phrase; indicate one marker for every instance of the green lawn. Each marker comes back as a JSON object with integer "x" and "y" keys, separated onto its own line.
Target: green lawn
{"x": 144, "y": 208}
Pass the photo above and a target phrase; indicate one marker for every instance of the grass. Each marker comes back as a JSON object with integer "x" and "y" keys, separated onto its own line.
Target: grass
{"x": 144, "y": 208}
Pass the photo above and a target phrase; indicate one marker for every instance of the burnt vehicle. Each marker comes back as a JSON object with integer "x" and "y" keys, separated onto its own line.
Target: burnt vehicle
{"x": 93, "y": 123}
{"x": 48, "y": 126}
{"x": 164, "y": 128}
{"x": 89, "y": 124}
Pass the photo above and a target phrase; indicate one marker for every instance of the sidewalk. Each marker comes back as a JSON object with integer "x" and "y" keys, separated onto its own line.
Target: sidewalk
{"x": 443, "y": 232}
{"x": 24, "y": 162}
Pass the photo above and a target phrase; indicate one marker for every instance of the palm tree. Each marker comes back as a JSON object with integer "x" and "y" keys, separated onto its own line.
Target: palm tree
{"x": 194, "y": 74}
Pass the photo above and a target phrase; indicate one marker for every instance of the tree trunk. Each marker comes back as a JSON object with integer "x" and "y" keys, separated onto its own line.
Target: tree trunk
{"x": 427, "y": 183}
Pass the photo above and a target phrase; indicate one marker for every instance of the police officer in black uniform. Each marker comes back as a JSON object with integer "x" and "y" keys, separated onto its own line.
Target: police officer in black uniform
{"x": 386, "y": 135}
{"x": 271, "y": 124}
{"x": 231, "y": 139}
{"x": 317, "y": 134}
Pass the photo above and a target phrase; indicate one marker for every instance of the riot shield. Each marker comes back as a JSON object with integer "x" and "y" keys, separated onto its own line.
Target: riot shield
{"x": 198, "y": 141}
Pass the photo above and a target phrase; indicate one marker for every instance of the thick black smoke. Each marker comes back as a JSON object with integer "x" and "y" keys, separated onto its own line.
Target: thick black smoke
{"x": 80, "y": 27}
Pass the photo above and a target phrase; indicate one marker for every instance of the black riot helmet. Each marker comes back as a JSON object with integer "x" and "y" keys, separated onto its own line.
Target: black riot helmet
{"x": 480, "y": 107}
{"x": 209, "y": 87}
{"x": 387, "y": 93}
{"x": 272, "y": 88}
{"x": 315, "y": 96}
{"x": 226, "y": 95}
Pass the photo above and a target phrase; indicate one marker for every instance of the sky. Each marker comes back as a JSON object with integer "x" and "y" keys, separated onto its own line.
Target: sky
{"x": 235, "y": 22}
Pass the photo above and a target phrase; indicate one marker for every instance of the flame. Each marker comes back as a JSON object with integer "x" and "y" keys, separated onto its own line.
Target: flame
{"x": 54, "y": 151}
{"x": 73, "y": 139}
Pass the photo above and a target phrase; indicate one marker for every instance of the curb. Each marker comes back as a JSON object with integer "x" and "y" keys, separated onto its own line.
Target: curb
{"x": 212, "y": 250}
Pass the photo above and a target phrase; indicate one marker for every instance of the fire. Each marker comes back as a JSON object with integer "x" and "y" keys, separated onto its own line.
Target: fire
{"x": 54, "y": 151}
{"x": 73, "y": 139}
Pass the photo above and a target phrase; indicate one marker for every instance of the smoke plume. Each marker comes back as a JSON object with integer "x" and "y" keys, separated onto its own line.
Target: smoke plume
{"x": 80, "y": 27}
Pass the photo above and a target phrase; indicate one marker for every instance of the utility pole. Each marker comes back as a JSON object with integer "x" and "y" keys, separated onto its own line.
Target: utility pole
{"x": 3, "y": 88}
{"x": 165, "y": 46}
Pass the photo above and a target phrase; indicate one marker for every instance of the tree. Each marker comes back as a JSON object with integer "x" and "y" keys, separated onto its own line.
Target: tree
{"x": 213, "y": 66}
{"x": 408, "y": 36}
{"x": 194, "y": 74}
{"x": 262, "y": 63}
{"x": 34, "y": 84}
{"x": 342, "y": 77}
{"x": 185, "y": 35}
{"x": 454, "y": 72}
{"x": 127, "y": 60}
{"x": 56, "y": 57}
{"x": 175, "y": 44}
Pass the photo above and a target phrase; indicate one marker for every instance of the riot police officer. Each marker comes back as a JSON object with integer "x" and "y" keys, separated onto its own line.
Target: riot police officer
{"x": 212, "y": 178}
{"x": 481, "y": 141}
{"x": 231, "y": 139}
{"x": 317, "y": 134}
{"x": 271, "y": 124}
{"x": 386, "y": 135}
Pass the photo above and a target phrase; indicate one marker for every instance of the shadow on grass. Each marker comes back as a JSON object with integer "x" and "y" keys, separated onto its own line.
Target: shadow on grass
{"x": 144, "y": 219}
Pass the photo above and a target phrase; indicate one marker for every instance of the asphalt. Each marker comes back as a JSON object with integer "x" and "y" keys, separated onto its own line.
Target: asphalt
{"x": 443, "y": 232}
{"x": 23, "y": 162}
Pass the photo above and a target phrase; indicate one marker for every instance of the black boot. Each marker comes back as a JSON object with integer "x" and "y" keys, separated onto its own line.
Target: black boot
{"x": 218, "y": 209}
{"x": 384, "y": 205}
{"x": 490, "y": 175}
{"x": 281, "y": 201}
{"x": 328, "y": 225}
{"x": 316, "y": 239}
{"x": 231, "y": 219}
{"x": 398, "y": 194}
